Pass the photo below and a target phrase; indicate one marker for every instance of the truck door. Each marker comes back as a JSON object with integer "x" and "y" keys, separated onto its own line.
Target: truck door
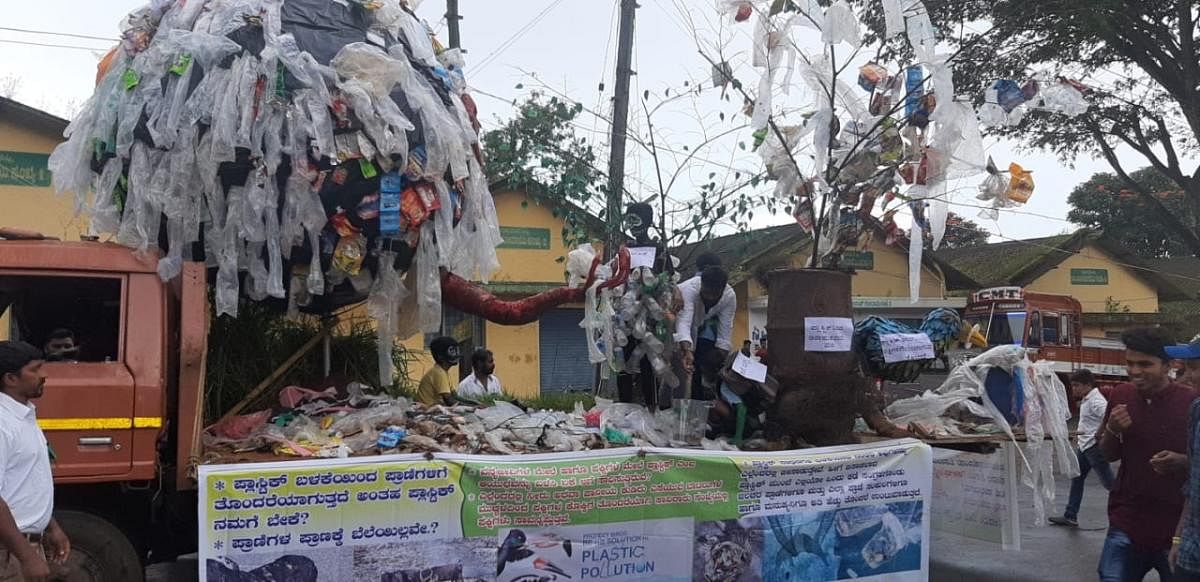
{"x": 88, "y": 404}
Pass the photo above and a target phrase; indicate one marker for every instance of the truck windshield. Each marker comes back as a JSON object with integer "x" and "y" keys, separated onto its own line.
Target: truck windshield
{"x": 1005, "y": 328}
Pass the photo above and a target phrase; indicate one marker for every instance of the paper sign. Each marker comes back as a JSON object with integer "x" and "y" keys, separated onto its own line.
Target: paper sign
{"x": 642, "y": 256}
{"x": 828, "y": 334}
{"x": 903, "y": 347}
{"x": 749, "y": 369}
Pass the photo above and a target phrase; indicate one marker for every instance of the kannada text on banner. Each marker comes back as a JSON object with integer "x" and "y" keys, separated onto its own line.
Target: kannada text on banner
{"x": 624, "y": 514}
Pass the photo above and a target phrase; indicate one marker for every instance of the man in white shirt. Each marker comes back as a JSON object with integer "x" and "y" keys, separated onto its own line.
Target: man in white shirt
{"x": 483, "y": 380}
{"x": 704, "y": 328}
{"x": 28, "y": 531}
{"x": 1091, "y": 416}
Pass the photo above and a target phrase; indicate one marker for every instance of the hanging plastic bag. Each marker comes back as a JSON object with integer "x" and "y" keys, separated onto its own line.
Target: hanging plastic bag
{"x": 1063, "y": 98}
{"x": 1020, "y": 187}
{"x": 841, "y": 25}
{"x": 429, "y": 282}
{"x": 871, "y": 76}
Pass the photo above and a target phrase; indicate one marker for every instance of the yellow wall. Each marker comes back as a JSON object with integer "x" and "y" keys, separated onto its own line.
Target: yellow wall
{"x": 741, "y": 317}
{"x": 889, "y": 278}
{"x": 530, "y": 265}
{"x": 1123, "y": 285}
{"x": 32, "y": 207}
{"x": 518, "y": 364}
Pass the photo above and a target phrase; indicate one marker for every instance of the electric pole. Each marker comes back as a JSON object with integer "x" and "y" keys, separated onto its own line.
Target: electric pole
{"x": 452, "y": 19}
{"x": 616, "y": 160}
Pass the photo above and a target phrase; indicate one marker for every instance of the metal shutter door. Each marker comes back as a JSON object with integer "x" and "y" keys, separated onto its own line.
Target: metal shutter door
{"x": 564, "y": 357}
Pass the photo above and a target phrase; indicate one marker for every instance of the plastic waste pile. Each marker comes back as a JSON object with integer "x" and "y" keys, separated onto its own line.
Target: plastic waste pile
{"x": 341, "y": 423}
{"x": 311, "y": 148}
{"x": 896, "y": 141}
{"x": 1000, "y": 391}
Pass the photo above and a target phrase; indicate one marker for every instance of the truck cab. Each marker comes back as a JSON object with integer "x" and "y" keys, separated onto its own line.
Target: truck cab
{"x": 121, "y": 415}
{"x": 1052, "y": 325}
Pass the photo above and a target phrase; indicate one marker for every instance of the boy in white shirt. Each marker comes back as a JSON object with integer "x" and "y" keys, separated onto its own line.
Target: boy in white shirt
{"x": 482, "y": 381}
{"x": 1091, "y": 416}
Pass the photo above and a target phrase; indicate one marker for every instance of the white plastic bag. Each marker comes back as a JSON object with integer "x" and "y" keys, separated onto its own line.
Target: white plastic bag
{"x": 841, "y": 25}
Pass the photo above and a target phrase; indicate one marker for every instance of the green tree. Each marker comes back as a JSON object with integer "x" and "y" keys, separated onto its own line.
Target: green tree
{"x": 960, "y": 232}
{"x": 537, "y": 149}
{"x": 1140, "y": 61}
{"x": 1104, "y": 202}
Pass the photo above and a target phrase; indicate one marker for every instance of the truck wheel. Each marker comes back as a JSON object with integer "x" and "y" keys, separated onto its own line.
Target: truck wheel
{"x": 100, "y": 552}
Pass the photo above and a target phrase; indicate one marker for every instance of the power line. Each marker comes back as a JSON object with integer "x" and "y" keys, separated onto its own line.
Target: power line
{"x": 49, "y": 33}
{"x": 48, "y": 45}
{"x": 515, "y": 37}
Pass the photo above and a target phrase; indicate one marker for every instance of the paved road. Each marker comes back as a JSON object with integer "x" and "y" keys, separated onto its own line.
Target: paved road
{"x": 1047, "y": 553}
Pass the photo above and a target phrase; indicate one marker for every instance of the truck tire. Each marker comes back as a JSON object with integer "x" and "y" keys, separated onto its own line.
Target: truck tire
{"x": 100, "y": 552}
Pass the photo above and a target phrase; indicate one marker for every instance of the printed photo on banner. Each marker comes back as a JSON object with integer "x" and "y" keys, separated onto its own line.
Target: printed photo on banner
{"x": 618, "y": 552}
{"x": 729, "y": 550}
{"x": 459, "y": 560}
{"x": 310, "y": 566}
{"x": 865, "y": 542}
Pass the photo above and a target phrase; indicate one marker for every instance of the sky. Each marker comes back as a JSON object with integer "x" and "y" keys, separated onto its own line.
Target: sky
{"x": 565, "y": 48}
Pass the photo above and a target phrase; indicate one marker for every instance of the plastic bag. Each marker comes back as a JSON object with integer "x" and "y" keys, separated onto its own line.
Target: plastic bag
{"x": 1020, "y": 186}
{"x": 1064, "y": 99}
{"x": 994, "y": 187}
{"x": 579, "y": 264}
{"x": 429, "y": 282}
{"x": 841, "y": 25}
{"x": 369, "y": 65}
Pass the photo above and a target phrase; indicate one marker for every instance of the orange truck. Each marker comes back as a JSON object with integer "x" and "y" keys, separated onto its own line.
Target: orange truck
{"x": 123, "y": 420}
{"x": 1050, "y": 324}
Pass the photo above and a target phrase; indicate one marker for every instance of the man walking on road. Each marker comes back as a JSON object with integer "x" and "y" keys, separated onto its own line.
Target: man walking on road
{"x": 1185, "y": 546}
{"x": 27, "y": 530}
{"x": 1145, "y": 429}
{"x": 1091, "y": 415}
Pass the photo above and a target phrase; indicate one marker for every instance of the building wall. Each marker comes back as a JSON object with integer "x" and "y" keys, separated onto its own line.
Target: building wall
{"x": 1123, "y": 286}
{"x": 35, "y": 207}
{"x": 518, "y": 364}
{"x": 529, "y": 265}
{"x": 881, "y": 290}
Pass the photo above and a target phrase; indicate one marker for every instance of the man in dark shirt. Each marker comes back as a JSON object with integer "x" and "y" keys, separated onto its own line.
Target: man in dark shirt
{"x": 1145, "y": 429}
{"x": 1185, "y": 547}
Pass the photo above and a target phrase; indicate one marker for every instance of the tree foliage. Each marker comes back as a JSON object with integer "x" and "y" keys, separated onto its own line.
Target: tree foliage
{"x": 1140, "y": 58}
{"x": 538, "y": 150}
{"x": 960, "y": 232}
{"x": 1104, "y": 202}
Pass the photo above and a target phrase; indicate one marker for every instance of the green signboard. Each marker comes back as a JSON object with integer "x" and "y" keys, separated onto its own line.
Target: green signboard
{"x": 24, "y": 169}
{"x": 1089, "y": 276}
{"x": 861, "y": 260}
{"x": 519, "y": 237}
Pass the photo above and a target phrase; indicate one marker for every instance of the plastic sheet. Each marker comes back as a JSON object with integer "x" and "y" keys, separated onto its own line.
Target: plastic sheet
{"x": 1062, "y": 98}
{"x": 841, "y": 25}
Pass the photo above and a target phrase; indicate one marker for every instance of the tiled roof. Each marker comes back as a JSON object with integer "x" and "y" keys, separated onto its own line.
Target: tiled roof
{"x": 999, "y": 264}
{"x": 1021, "y": 262}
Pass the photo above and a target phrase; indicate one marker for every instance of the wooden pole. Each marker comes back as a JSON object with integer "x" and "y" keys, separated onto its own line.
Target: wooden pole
{"x": 452, "y": 18}
{"x": 616, "y": 160}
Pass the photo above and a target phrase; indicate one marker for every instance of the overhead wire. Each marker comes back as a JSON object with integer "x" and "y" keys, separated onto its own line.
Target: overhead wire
{"x": 487, "y": 60}
{"x": 51, "y": 33}
{"x": 52, "y": 45}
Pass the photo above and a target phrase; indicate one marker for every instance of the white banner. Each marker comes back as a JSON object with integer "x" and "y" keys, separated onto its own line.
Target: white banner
{"x": 976, "y": 495}
{"x": 618, "y": 515}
